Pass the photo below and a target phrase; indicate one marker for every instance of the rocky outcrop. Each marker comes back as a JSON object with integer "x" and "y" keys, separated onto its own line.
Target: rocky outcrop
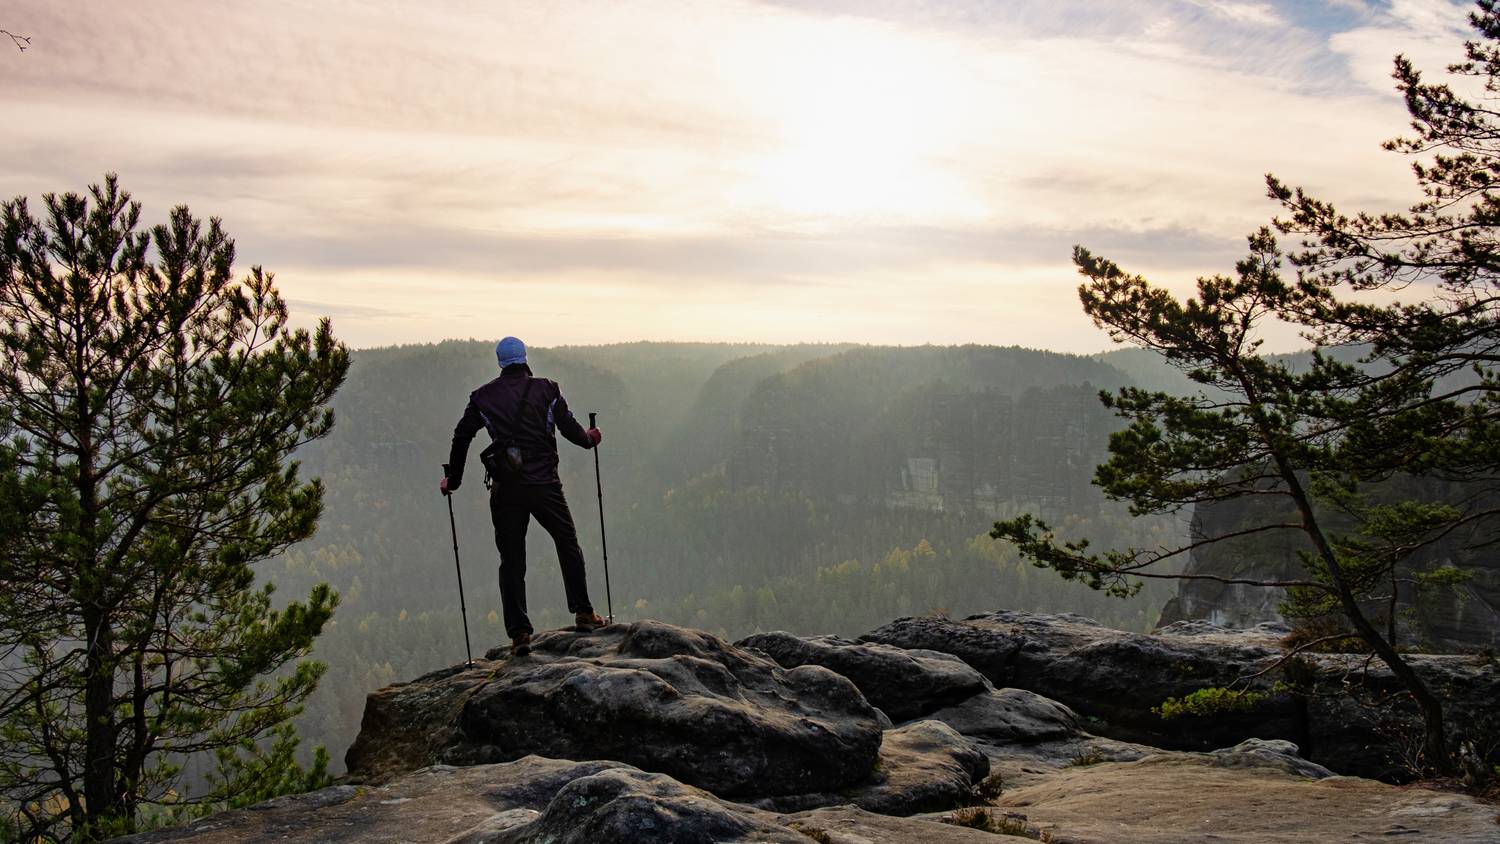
{"x": 677, "y": 736}
{"x": 1110, "y": 677}
{"x": 1455, "y": 617}
{"x": 659, "y": 697}
{"x": 1114, "y": 679}
{"x": 1239, "y": 796}
{"x": 902, "y": 683}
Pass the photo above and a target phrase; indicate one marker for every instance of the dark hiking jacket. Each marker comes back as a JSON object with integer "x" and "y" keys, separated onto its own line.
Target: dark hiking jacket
{"x": 496, "y": 407}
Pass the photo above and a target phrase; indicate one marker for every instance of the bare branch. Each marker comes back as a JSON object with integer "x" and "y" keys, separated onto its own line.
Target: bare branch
{"x": 22, "y": 42}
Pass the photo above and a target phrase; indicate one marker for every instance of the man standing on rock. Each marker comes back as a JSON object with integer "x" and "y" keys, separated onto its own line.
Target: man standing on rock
{"x": 522, "y": 414}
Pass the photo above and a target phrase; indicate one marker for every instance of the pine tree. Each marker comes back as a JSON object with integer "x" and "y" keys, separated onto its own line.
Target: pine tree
{"x": 149, "y": 406}
{"x": 1422, "y": 401}
{"x": 1319, "y": 440}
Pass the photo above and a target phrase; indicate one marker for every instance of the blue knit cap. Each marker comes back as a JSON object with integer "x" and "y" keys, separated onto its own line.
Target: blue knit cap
{"x": 509, "y": 351}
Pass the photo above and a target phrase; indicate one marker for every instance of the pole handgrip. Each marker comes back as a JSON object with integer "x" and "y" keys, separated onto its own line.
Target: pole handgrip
{"x": 591, "y": 420}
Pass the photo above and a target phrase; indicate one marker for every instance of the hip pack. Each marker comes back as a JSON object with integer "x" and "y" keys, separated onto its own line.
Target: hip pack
{"x": 502, "y": 458}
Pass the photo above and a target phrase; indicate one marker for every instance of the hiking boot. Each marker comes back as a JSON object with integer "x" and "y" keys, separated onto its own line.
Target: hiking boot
{"x": 520, "y": 645}
{"x": 588, "y": 622}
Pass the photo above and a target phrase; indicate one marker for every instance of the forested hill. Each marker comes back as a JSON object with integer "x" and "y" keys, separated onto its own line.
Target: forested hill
{"x": 812, "y": 488}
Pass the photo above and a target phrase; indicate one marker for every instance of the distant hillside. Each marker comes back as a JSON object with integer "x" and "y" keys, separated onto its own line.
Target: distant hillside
{"x": 812, "y": 488}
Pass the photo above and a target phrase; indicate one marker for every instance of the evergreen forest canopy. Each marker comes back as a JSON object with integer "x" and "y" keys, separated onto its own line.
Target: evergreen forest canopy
{"x": 816, "y": 489}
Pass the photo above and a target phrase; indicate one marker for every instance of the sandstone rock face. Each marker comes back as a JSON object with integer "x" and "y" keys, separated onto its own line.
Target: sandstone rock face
{"x": 659, "y": 697}
{"x": 1112, "y": 679}
{"x": 902, "y": 683}
{"x": 410, "y": 725}
{"x": 1458, "y": 617}
{"x": 1350, "y": 736}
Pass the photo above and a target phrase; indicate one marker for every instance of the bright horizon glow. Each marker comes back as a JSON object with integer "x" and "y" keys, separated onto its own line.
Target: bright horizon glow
{"x": 890, "y": 172}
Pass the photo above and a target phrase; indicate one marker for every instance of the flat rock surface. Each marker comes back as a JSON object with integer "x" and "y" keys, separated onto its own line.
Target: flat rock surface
{"x": 848, "y": 825}
{"x": 904, "y": 684}
{"x": 1178, "y": 799}
{"x": 659, "y": 697}
{"x": 432, "y": 804}
{"x": 538, "y": 801}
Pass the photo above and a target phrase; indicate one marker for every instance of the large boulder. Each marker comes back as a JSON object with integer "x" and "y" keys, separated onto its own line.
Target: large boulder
{"x": 1010, "y": 716}
{"x": 631, "y": 805}
{"x": 903, "y": 683}
{"x": 659, "y": 697}
{"x": 924, "y": 766}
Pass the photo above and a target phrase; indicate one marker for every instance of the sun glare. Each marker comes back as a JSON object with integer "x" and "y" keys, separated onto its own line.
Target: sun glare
{"x": 863, "y": 126}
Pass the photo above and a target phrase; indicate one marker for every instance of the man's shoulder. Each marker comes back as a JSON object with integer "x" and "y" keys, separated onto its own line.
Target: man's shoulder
{"x": 488, "y": 387}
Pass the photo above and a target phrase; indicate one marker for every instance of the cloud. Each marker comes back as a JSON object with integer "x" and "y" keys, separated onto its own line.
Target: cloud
{"x": 741, "y": 258}
{"x": 611, "y": 153}
{"x": 1259, "y": 14}
{"x": 1430, "y": 32}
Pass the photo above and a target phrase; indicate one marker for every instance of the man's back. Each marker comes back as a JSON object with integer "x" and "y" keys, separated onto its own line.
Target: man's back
{"x": 528, "y": 411}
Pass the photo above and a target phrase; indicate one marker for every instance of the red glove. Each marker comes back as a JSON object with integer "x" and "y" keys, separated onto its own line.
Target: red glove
{"x": 444, "y": 488}
{"x": 594, "y": 436}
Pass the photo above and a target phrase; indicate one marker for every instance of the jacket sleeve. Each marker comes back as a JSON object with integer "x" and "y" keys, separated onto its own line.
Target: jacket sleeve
{"x": 563, "y": 418}
{"x": 463, "y": 433}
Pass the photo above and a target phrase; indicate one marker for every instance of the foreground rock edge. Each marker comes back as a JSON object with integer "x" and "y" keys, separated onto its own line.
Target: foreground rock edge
{"x": 1033, "y": 740}
{"x": 1245, "y": 795}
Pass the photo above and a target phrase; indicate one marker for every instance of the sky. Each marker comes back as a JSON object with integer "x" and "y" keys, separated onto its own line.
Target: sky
{"x": 876, "y": 171}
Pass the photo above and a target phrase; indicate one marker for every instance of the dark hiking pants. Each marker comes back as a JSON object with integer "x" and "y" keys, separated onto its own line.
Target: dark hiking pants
{"x": 512, "y": 507}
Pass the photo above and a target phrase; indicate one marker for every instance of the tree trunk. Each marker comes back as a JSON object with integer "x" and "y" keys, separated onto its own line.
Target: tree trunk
{"x": 1435, "y": 740}
{"x": 99, "y": 788}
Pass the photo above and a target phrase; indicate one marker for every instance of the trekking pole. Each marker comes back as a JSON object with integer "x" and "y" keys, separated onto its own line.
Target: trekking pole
{"x": 603, "y": 540}
{"x": 462, "y": 609}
